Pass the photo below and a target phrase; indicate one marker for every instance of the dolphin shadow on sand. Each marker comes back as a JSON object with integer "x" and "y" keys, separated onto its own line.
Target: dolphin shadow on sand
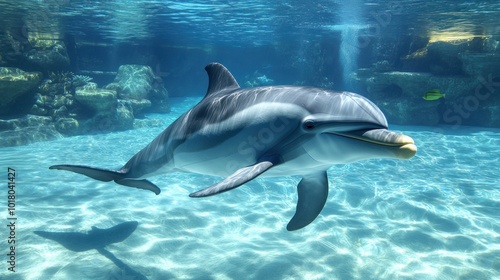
{"x": 97, "y": 239}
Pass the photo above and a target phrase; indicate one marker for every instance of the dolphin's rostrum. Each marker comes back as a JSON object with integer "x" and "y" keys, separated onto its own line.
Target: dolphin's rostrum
{"x": 244, "y": 133}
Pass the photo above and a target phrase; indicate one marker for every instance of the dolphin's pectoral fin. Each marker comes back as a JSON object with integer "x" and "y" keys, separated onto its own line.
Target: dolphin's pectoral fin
{"x": 238, "y": 178}
{"x": 107, "y": 175}
{"x": 313, "y": 192}
{"x": 139, "y": 184}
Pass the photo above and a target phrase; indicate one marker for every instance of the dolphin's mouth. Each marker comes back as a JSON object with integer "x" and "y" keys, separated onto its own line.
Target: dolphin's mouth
{"x": 404, "y": 145}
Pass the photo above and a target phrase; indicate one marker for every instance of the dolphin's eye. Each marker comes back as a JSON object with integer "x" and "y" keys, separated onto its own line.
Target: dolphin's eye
{"x": 308, "y": 124}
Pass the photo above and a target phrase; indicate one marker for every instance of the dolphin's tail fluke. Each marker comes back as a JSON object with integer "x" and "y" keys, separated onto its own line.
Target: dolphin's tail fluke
{"x": 107, "y": 175}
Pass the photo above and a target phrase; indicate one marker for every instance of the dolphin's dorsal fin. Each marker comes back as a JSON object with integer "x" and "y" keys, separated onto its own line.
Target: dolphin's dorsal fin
{"x": 219, "y": 78}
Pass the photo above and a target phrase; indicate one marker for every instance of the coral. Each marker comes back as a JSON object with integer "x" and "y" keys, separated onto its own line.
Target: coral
{"x": 80, "y": 80}
{"x": 60, "y": 77}
{"x": 90, "y": 86}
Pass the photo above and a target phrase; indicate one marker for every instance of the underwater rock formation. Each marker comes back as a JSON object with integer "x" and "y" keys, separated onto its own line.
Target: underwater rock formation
{"x": 463, "y": 71}
{"x": 139, "y": 83}
{"x": 437, "y": 57}
{"x": 53, "y": 102}
{"x": 480, "y": 64}
{"x": 106, "y": 111}
{"x": 96, "y": 99}
{"x": 47, "y": 57}
{"x": 113, "y": 107}
{"x": 26, "y": 121}
{"x": 137, "y": 106}
{"x": 65, "y": 104}
{"x": 15, "y": 84}
{"x": 124, "y": 116}
{"x": 27, "y": 130}
{"x": 399, "y": 94}
{"x": 144, "y": 123}
{"x": 53, "y": 99}
{"x": 133, "y": 81}
{"x": 121, "y": 118}
{"x": 67, "y": 126}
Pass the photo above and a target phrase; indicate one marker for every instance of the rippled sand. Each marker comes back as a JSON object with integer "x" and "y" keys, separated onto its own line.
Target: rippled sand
{"x": 435, "y": 216}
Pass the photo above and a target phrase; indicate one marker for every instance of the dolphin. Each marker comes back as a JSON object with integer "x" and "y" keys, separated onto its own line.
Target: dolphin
{"x": 244, "y": 133}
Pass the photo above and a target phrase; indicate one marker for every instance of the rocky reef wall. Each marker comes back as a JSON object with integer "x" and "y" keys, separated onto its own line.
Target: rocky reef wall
{"x": 64, "y": 104}
{"x": 41, "y": 99}
{"x": 466, "y": 71}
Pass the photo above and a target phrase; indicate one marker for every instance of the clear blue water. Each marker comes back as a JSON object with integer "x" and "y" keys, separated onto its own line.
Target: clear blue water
{"x": 434, "y": 216}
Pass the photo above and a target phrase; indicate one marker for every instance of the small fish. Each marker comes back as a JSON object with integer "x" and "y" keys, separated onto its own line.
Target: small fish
{"x": 433, "y": 94}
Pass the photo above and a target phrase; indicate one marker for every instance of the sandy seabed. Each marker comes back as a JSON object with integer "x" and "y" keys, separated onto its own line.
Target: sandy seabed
{"x": 435, "y": 216}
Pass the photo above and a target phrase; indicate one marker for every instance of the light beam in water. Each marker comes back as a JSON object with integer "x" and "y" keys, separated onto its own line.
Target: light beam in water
{"x": 351, "y": 23}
